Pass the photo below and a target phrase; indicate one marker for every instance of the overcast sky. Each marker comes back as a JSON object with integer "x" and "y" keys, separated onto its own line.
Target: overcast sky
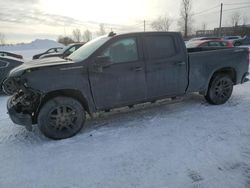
{"x": 26, "y": 20}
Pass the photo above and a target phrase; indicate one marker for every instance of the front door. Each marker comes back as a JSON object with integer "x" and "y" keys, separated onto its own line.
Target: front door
{"x": 121, "y": 80}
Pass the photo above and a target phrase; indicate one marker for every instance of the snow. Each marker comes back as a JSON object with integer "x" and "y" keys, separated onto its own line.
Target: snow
{"x": 186, "y": 143}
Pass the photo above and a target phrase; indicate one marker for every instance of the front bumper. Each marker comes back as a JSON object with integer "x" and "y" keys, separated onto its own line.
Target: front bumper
{"x": 19, "y": 117}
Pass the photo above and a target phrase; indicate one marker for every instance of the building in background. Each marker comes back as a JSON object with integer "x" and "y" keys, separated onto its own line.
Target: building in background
{"x": 240, "y": 30}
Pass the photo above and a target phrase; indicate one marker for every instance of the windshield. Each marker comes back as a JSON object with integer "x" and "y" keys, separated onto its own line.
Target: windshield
{"x": 87, "y": 49}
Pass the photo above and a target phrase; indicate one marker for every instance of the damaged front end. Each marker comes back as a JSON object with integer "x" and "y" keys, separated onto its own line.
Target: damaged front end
{"x": 23, "y": 103}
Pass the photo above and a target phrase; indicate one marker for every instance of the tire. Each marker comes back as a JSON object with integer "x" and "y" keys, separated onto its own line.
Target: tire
{"x": 220, "y": 89}
{"x": 237, "y": 43}
{"x": 61, "y": 117}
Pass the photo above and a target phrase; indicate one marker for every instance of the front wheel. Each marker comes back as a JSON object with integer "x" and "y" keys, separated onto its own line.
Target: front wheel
{"x": 61, "y": 117}
{"x": 220, "y": 89}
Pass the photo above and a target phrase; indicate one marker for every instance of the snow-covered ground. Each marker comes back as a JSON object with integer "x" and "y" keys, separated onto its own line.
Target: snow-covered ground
{"x": 187, "y": 143}
{"x": 175, "y": 144}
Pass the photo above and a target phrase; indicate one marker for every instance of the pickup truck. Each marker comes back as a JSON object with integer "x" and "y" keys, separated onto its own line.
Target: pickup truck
{"x": 116, "y": 71}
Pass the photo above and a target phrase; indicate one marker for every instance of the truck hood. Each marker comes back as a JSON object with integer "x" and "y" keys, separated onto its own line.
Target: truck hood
{"x": 53, "y": 61}
{"x": 47, "y": 61}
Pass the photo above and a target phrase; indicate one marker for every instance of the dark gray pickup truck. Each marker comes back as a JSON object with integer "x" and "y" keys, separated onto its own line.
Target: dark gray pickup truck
{"x": 118, "y": 70}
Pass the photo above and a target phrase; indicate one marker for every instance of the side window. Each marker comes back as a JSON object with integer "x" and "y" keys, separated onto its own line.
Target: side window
{"x": 214, "y": 44}
{"x": 205, "y": 44}
{"x": 160, "y": 47}
{"x": 124, "y": 50}
{"x": 223, "y": 43}
{"x": 51, "y": 51}
{"x": 71, "y": 50}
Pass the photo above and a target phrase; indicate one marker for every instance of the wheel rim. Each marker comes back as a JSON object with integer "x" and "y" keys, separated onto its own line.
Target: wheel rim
{"x": 222, "y": 89}
{"x": 63, "y": 118}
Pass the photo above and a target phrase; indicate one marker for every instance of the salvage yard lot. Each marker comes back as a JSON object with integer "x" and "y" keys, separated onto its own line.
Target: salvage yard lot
{"x": 186, "y": 143}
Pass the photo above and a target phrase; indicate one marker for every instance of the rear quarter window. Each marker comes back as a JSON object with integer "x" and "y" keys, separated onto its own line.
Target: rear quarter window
{"x": 160, "y": 47}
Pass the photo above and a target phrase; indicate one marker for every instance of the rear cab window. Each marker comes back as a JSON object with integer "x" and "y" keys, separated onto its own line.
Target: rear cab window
{"x": 160, "y": 47}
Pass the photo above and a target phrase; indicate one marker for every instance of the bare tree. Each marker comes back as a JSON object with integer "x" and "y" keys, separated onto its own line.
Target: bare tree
{"x": 235, "y": 19}
{"x": 77, "y": 36}
{"x": 101, "y": 30}
{"x": 244, "y": 19}
{"x": 65, "y": 40}
{"x": 2, "y": 39}
{"x": 204, "y": 26}
{"x": 162, "y": 23}
{"x": 87, "y": 35}
{"x": 185, "y": 17}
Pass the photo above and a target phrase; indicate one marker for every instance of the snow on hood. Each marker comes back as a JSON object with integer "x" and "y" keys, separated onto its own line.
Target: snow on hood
{"x": 53, "y": 61}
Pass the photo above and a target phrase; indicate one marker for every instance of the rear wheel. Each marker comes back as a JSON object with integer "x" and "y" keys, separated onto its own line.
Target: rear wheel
{"x": 237, "y": 43}
{"x": 220, "y": 89}
{"x": 61, "y": 117}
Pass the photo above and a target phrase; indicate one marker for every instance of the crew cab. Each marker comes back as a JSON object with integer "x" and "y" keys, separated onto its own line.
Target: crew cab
{"x": 115, "y": 71}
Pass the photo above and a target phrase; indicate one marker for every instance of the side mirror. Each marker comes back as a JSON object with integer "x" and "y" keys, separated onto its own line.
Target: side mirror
{"x": 103, "y": 60}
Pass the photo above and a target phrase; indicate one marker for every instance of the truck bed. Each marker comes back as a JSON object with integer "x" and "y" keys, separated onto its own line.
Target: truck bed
{"x": 203, "y": 62}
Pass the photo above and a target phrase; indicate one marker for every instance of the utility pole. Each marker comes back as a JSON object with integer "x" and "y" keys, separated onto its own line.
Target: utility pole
{"x": 221, "y": 7}
{"x": 144, "y": 24}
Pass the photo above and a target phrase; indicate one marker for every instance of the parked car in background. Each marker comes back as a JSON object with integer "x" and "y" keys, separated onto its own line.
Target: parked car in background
{"x": 49, "y": 51}
{"x": 244, "y": 41}
{"x": 116, "y": 71}
{"x": 209, "y": 43}
{"x": 231, "y": 38}
{"x": 9, "y": 54}
{"x": 64, "y": 52}
{"x": 6, "y": 65}
{"x": 205, "y": 38}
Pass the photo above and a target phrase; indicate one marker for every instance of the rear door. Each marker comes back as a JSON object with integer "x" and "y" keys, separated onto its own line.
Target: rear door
{"x": 122, "y": 80}
{"x": 166, "y": 65}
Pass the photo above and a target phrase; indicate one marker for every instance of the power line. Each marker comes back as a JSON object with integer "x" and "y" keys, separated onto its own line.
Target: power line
{"x": 206, "y": 10}
{"x": 241, "y": 3}
{"x": 227, "y": 10}
{"x": 236, "y": 8}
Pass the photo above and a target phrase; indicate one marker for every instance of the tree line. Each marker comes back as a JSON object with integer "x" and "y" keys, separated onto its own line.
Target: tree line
{"x": 185, "y": 21}
{"x": 78, "y": 36}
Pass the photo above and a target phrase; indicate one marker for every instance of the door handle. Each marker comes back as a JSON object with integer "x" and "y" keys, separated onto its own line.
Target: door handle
{"x": 180, "y": 63}
{"x": 137, "y": 69}
{"x": 106, "y": 65}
